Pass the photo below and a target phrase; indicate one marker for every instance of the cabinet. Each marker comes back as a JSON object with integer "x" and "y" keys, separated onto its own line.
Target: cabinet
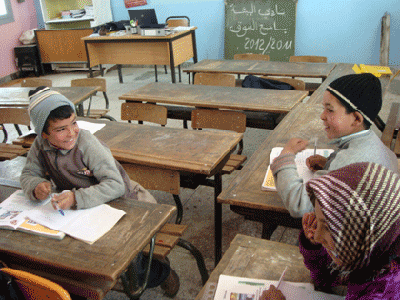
{"x": 51, "y": 11}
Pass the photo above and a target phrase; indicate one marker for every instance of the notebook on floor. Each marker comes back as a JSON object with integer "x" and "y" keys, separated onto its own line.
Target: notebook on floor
{"x": 146, "y": 18}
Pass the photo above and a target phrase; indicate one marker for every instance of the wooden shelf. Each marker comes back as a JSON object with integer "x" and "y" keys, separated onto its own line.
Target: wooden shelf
{"x": 70, "y": 20}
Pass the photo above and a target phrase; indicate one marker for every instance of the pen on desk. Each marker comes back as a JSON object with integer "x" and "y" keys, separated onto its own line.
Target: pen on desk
{"x": 280, "y": 279}
{"x": 315, "y": 146}
{"x": 60, "y": 210}
{"x": 251, "y": 283}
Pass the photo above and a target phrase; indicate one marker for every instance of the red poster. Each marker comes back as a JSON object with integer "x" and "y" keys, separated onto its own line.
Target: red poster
{"x": 133, "y": 3}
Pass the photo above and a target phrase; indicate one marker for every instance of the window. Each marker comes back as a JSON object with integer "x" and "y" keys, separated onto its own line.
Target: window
{"x": 6, "y": 15}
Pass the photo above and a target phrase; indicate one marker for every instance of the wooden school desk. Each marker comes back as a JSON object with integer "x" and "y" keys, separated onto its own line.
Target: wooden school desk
{"x": 304, "y": 122}
{"x": 18, "y": 96}
{"x": 256, "y": 67}
{"x": 86, "y": 270}
{"x": 233, "y": 98}
{"x": 260, "y": 259}
{"x": 194, "y": 155}
{"x": 171, "y": 50}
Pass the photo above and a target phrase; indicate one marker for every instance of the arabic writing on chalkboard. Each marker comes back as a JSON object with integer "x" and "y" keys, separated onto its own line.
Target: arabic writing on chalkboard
{"x": 260, "y": 26}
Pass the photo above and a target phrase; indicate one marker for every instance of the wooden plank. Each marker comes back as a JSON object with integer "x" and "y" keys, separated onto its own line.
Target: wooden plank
{"x": 256, "y": 258}
{"x": 272, "y": 68}
{"x": 174, "y": 229}
{"x": 391, "y": 124}
{"x": 154, "y": 178}
{"x": 62, "y": 45}
{"x": 233, "y": 98}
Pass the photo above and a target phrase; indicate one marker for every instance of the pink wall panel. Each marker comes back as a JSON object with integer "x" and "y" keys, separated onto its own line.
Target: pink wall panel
{"x": 24, "y": 19}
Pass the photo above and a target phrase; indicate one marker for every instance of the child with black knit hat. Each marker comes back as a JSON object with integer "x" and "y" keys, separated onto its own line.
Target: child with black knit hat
{"x": 351, "y": 103}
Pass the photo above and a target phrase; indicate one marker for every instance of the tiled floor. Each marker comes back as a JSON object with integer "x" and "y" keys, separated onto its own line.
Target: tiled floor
{"x": 197, "y": 204}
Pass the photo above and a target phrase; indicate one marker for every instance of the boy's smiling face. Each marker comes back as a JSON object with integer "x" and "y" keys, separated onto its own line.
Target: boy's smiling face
{"x": 336, "y": 120}
{"x": 62, "y": 134}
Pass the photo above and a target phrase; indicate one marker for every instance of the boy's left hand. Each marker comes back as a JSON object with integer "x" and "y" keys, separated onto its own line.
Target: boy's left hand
{"x": 272, "y": 294}
{"x": 65, "y": 200}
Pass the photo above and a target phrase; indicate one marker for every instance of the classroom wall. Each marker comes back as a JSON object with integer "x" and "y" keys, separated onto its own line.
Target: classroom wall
{"x": 344, "y": 31}
{"x": 24, "y": 19}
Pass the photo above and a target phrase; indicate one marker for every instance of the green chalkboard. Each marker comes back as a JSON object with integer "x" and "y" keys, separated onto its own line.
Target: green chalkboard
{"x": 260, "y": 26}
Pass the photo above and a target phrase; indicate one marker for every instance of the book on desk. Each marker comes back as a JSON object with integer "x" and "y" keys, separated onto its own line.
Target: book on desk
{"x": 13, "y": 217}
{"x": 232, "y": 287}
{"x": 17, "y": 212}
{"x": 268, "y": 183}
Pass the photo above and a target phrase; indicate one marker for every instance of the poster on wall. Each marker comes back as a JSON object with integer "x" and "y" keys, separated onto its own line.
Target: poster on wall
{"x": 133, "y": 3}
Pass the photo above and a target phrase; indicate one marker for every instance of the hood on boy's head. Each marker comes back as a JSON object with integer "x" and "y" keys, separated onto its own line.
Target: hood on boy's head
{"x": 41, "y": 103}
{"x": 363, "y": 92}
{"x": 361, "y": 206}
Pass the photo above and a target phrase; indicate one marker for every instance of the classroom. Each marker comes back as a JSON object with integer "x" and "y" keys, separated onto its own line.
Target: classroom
{"x": 210, "y": 196}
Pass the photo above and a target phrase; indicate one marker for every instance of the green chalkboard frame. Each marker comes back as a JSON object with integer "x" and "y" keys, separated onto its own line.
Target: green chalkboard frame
{"x": 260, "y": 26}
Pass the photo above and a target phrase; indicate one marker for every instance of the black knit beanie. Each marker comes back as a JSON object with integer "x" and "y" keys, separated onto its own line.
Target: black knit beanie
{"x": 363, "y": 92}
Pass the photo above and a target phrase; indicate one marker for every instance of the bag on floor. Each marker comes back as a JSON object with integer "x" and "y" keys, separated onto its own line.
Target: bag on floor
{"x": 251, "y": 81}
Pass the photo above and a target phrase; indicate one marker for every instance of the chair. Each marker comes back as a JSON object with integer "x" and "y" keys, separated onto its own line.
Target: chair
{"x": 36, "y": 82}
{"x": 174, "y": 21}
{"x": 308, "y": 58}
{"x": 310, "y": 86}
{"x": 224, "y": 120}
{"x": 102, "y": 87}
{"x": 144, "y": 112}
{"x": 16, "y": 116}
{"x": 34, "y": 287}
{"x": 250, "y": 56}
{"x": 215, "y": 79}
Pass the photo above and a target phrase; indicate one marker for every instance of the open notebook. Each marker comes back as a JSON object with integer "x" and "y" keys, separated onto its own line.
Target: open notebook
{"x": 268, "y": 183}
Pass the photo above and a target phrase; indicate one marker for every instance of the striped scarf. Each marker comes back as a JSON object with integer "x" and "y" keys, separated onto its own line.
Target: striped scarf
{"x": 361, "y": 205}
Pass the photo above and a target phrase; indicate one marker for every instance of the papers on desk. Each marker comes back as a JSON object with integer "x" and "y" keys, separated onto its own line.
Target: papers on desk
{"x": 92, "y": 127}
{"x": 268, "y": 183}
{"x": 182, "y": 28}
{"x": 87, "y": 225}
{"x": 231, "y": 287}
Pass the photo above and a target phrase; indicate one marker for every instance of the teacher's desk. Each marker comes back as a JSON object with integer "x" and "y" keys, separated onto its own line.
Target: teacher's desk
{"x": 171, "y": 50}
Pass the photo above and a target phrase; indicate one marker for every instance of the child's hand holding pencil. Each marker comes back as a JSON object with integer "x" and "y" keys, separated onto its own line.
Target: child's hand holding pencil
{"x": 273, "y": 293}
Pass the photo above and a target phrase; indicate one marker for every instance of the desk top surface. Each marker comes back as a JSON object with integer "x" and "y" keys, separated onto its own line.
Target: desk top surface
{"x": 257, "y": 258}
{"x": 256, "y": 67}
{"x": 98, "y": 265}
{"x": 218, "y": 97}
{"x": 18, "y": 96}
{"x": 245, "y": 188}
{"x": 134, "y": 37}
{"x": 169, "y": 148}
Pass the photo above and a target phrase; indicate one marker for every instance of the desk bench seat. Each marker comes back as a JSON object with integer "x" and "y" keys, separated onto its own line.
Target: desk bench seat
{"x": 9, "y": 151}
{"x": 254, "y": 119}
{"x": 166, "y": 239}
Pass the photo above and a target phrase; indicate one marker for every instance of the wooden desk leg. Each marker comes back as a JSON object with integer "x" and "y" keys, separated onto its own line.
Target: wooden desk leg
{"x": 172, "y": 62}
{"x": 120, "y": 74}
{"x": 217, "y": 218}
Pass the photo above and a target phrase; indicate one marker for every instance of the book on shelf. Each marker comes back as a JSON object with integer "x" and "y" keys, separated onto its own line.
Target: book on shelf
{"x": 13, "y": 217}
{"x": 232, "y": 287}
{"x": 268, "y": 183}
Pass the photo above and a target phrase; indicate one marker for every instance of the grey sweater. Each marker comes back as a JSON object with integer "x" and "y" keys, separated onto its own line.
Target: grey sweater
{"x": 364, "y": 146}
{"x": 89, "y": 169}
